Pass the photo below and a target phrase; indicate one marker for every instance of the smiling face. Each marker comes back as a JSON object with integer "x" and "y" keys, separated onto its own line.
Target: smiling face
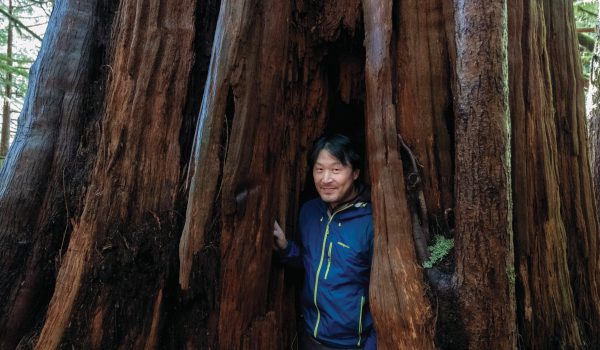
{"x": 334, "y": 181}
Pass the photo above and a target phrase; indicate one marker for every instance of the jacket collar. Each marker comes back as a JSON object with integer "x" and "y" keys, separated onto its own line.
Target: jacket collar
{"x": 357, "y": 206}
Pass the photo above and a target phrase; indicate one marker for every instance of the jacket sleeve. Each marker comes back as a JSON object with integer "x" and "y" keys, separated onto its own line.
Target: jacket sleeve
{"x": 371, "y": 342}
{"x": 291, "y": 255}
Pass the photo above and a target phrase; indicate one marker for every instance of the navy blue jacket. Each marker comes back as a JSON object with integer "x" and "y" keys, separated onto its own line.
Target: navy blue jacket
{"x": 335, "y": 251}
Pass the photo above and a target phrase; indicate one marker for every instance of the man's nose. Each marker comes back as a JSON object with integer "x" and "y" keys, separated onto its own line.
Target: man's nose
{"x": 327, "y": 177}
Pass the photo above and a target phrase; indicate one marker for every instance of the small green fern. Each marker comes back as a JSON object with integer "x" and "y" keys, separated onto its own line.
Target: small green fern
{"x": 439, "y": 250}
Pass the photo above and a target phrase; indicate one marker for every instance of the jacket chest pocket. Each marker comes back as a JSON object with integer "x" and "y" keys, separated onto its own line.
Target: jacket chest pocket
{"x": 343, "y": 259}
{"x": 347, "y": 253}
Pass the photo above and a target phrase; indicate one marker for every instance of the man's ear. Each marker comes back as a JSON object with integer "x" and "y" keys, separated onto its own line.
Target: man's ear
{"x": 355, "y": 174}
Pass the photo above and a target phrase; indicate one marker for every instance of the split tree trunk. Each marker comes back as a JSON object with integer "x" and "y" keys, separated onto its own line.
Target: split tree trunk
{"x": 403, "y": 319}
{"x": 169, "y": 234}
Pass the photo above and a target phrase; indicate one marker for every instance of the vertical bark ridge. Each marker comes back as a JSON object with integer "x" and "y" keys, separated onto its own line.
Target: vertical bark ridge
{"x": 137, "y": 170}
{"x": 403, "y": 320}
{"x": 205, "y": 164}
{"x": 153, "y": 336}
{"x": 424, "y": 49}
{"x": 577, "y": 205}
{"x": 484, "y": 247}
{"x": 424, "y": 96}
{"x": 249, "y": 183}
{"x": 547, "y": 316}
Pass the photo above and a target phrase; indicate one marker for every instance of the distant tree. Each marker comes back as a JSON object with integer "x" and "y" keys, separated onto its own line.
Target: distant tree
{"x": 8, "y": 81}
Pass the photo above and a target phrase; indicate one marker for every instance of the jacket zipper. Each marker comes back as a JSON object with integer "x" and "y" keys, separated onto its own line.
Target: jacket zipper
{"x": 362, "y": 304}
{"x": 321, "y": 265}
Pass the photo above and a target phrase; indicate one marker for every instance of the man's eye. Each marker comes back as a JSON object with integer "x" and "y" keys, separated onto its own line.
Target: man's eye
{"x": 335, "y": 170}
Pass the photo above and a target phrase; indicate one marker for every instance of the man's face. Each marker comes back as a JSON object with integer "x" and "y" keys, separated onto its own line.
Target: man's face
{"x": 333, "y": 180}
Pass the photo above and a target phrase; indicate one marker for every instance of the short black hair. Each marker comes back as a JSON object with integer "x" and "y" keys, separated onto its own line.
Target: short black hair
{"x": 340, "y": 147}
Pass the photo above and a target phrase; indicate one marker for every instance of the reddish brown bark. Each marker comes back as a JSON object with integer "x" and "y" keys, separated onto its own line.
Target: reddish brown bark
{"x": 207, "y": 157}
{"x": 247, "y": 189}
{"x": 423, "y": 86}
{"x": 403, "y": 319}
{"x": 425, "y": 118}
{"x": 576, "y": 190}
{"x": 484, "y": 246}
{"x": 282, "y": 73}
{"x": 547, "y": 313}
{"x": 129, "y": 157}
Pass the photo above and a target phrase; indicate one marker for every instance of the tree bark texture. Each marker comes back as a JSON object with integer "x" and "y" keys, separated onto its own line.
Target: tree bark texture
{"x": 155, "y": 162}
{"x": 240, "y": 169}
{"x": 405, "y": 316}
{"x": 554, "y": 213}
{"x": 576, "y": 190}
{"x": 484, "y": 241}
{"x": 40, "y": 182}
{"x": 134, "y": 181}
{"x": 422, "y": 93}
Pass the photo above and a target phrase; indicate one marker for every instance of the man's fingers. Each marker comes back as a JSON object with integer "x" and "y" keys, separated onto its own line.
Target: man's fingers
{"x": 277, "y": 229}
{"x": 279, "y": 236}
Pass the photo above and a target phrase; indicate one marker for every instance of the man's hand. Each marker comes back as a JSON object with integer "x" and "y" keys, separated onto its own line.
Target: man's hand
{"x": 280, "y": 242}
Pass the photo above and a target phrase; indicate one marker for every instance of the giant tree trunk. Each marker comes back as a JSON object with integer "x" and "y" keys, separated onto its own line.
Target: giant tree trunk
{"x": 42, "y": 177}
{"x": 556, "y": 235}
{"x": 403, "y": 318}
{"x": 484, "y": 242}
{"x": 162, "y": 139}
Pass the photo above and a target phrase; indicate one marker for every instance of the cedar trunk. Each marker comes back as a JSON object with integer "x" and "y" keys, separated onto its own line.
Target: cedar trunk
{"x": 160, "y": 140}
{"x": 484, "y": 241}
{"x": 556, "y": 240}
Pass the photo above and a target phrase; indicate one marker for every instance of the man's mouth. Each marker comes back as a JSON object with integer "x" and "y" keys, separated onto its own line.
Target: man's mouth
{"x": 327, "y": 189}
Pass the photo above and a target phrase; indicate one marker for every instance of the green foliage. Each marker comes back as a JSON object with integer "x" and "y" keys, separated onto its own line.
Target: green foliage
{"x": 586, "y": 16}
{"x": 439, "y": 250}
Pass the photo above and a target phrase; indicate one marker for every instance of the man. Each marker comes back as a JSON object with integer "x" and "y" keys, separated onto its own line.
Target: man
{"x": 336, "y": 247}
